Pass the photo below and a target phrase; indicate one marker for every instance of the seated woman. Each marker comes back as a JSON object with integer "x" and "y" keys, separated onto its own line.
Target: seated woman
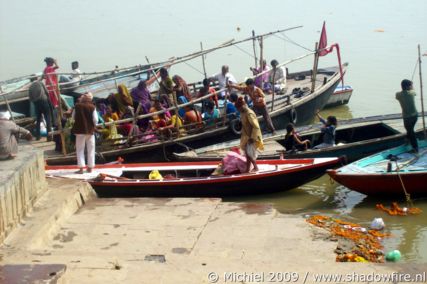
{"x": 328, "y": 131}
{"x": 293, "y": 141}
{"x": 127, "y": 128}
{"x": 157, "y": 106}
{"x": 123, "y": 99}
{"x": 110, "y": 114}
{"x": 192, "y": 118}
{"x": 181, "y": 88}
{"x": 211, "y": 114}
{"x": 174, "y": 127}
{"x": 207, "y": 90}
{"x": 141, "y": 95}
{"x": 159, "y": 126}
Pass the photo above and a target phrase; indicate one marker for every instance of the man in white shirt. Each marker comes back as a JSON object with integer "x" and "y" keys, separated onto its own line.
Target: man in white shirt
{"x": 277, "y": 77}
{"x": 223, "y": 79}
{"x": 76, "y": 73}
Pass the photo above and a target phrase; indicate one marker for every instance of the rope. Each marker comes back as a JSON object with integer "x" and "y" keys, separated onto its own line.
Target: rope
{"x": 407, "y": 195}
{"x": 288, "y": 39}
{"x": 244, "y": 51}
{"x": 194, "y": 68}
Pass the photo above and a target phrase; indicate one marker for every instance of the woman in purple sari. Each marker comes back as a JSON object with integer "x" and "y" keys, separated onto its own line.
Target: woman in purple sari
{"x": 141, "y": 95}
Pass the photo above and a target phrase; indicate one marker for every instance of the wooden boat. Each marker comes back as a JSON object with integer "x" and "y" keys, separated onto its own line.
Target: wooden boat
{"x": 341, "y": 96}
{"x": 355, "y": 139}
{"x": 388, "y": 173}
{"x": 195, "y": 179}
{"x": 287, "y": 108}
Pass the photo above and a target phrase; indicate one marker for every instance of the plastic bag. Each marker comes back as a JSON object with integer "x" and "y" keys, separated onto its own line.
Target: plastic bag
{"x": 377, "y": 224}
{"x": 155, "y": 174}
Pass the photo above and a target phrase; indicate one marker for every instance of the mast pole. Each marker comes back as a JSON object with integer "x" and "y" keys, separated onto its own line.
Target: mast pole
{"x": 421, "y": 91}
{"x": 316, "y": 62}
{"x": 203, "y": 60}
{"x": 253, "y": 45}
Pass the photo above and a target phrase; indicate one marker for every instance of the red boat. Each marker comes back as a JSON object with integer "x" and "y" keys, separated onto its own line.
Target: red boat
{"x": 388, "y": 173}
{"x": 196, "y": 179}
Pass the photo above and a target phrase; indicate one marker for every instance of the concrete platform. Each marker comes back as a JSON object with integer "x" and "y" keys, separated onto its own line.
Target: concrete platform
{"x": 82, "y": 239}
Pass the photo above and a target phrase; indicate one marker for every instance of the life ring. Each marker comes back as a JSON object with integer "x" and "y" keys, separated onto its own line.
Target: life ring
{"x": 293, "y": 117}
{"x": 236, "y": 126}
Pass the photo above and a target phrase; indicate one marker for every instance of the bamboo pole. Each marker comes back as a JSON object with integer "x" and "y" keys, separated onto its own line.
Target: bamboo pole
{"x": 274, "y": 89}
{"x": 316, "y": 62}
{"x": 261, "y": 58}
{"x": 59, "y": 118}
{"x": 421, "y": 91}
{"x": 173, "y": 60}
{"x": 203, "y": 60}
{"x": 253, "y": 45}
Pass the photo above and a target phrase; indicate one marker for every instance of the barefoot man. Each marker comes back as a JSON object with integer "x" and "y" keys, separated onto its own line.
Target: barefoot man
{"x": 251, "y": 137}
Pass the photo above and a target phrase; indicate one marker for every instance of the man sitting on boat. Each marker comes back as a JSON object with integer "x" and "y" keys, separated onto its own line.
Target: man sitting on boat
{"x": 328, "y": 131}
{"x": 73, "y": 80}
{"x": 224, "y": 78}
{"x": 276, "y": 78}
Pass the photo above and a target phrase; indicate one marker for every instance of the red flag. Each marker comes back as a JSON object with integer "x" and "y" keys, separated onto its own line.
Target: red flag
{"x": 323, "y": 42}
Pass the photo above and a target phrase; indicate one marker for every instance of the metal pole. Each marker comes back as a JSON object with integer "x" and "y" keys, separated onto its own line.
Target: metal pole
{"x": 421, "y": 91}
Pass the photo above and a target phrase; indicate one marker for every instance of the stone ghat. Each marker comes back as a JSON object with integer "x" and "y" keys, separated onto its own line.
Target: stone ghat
{"x": 22, "y": 182}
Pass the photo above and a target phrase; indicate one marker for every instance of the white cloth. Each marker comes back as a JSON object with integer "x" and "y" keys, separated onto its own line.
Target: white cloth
{"x": 83, "y": 140}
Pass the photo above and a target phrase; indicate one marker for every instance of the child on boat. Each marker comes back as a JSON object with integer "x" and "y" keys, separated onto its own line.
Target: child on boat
{"x": 328, "y": 131}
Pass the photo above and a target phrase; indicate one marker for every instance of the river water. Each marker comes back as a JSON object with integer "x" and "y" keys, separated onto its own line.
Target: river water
{"x": 378, "y": 38}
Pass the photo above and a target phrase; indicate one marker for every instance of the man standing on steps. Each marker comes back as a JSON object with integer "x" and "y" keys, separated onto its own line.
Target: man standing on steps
{"x": 406, "y": 99}
{"x": 85, "y": 119}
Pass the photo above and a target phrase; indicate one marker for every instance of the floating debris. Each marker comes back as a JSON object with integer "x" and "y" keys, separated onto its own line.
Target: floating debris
{"x": 401, "y": 211}
{"x": 379, "y": 30}
{"x": 355, "y": 243}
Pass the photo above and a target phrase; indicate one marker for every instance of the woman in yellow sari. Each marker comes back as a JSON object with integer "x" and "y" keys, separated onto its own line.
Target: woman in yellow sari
{"x": 123, "y": 99}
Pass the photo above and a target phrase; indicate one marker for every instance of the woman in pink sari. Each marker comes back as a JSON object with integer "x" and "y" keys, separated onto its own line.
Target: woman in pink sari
{"x": 51, "y": 80}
